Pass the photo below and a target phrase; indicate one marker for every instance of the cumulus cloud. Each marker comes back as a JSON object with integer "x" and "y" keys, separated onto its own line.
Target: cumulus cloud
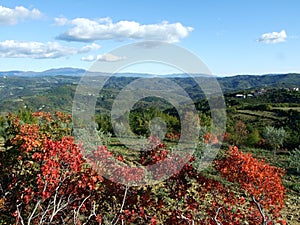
{"x": 60, "y": 21}
{"x": 10, "y": 16}
{"x": 273, "y": 37}
{"x": 38, "y": 50}
{"x": 89, "y": 48}
{"x": 89, "y": 58}
{"x": 86, "y": 30}
{"x": 105, "y": 58}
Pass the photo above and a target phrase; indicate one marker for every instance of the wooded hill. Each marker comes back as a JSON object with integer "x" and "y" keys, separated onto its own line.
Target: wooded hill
{"x": 55, "y": 92}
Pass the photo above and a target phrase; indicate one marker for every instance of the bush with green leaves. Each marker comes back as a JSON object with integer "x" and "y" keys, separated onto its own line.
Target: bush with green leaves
{"x": 274, "y": 137}
{"x": 295, "y": 159}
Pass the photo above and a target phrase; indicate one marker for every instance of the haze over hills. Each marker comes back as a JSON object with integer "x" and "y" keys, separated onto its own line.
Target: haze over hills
{"x": 241, "y": 82}
{"x": 56, "y": 87}
{"x": 227, "y": 83}
{"x": 67, "y": 71}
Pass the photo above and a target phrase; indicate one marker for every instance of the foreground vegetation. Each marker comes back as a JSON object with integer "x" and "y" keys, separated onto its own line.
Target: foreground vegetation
{"x": 46, "y": 179}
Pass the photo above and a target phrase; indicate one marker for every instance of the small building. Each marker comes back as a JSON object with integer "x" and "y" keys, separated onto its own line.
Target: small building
{"x": 240, "y": 96}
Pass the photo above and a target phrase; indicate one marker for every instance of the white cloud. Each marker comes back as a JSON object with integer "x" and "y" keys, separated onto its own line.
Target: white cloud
{"x": 273, "y": 37}
{"x": 105, "y": 58}
{"x": 87, "y": 30}
{"x": 89, "y": 58}
{"x": 109, "y": 57}
{"x": 60, "y": 21}
{"x": 38, "y": 50}
{"x": 10, "y": 16}
{"x": 89, "y": 48}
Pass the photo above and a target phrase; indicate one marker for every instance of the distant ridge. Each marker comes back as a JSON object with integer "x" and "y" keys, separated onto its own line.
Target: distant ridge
{"x": 228, "y": 83}
{"x": 243, "y": 82}
{"x": 70, "y": 71}
{"x": 67, "y": 71}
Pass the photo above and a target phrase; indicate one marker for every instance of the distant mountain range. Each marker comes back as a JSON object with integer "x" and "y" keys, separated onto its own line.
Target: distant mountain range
{"x": 238, "y": 82}
{"x": 243, "y": 82}
{"x": 54, "y": 89}
{"x": 68, "y": 71}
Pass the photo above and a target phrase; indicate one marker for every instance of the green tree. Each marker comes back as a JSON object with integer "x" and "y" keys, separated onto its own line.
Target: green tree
{"x": 104, "y": 123}
{"x": 253, "y": 138}
{"x": 295, "y": 159}
{"x": 274, "y": 137}
{"x": 240, "y": 133}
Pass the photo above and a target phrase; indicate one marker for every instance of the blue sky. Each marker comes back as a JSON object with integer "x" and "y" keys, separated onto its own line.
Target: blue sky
{"x": 230, "y": 37}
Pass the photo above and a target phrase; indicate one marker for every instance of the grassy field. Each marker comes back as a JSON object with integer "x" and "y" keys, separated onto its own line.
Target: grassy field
{"x": 261, "y": 114}
{"x": 288, "y": 108}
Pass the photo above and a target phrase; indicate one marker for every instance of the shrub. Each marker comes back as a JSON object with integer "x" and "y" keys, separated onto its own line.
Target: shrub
{"x": 46, "y": 179}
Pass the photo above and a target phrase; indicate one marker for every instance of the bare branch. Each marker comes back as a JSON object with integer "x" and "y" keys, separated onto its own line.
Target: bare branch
{"x": 189, "y": 220}
{"x": 44, "y": 214}
{"x": 261, "y": 211}
{"x": 19, "y": 214}
{"x": 93, "y": 213}
{"x": 76, "y": 213}
{"x": 121, "y": 209}
{"x": 33, "y": 212}
{"x": 216, "y": 216}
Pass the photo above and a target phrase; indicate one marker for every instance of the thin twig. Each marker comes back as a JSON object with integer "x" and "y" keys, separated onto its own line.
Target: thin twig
{"x": 19, "y": 214}
{"x": 261, "y": 211}
{"x": 80, "y": 206}
{"x": 33, "y": 212}
{"x": 93, "y": 213}
{"x": 189, "y": 220}
{"x": 121, "y": 209}
{"x": 216, "y": 216}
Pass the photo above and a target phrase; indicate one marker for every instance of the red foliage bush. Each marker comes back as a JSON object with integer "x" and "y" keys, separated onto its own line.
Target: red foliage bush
{"x": 45, "y": 178}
